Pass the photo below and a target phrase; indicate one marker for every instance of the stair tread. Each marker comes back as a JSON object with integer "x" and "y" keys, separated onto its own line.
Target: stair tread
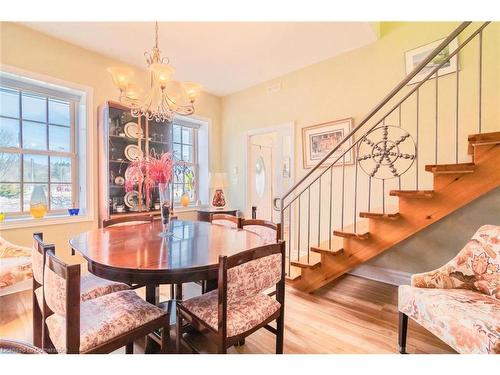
{"x": 326, "y": 250}
{"x": 451, "y": 168}
{"x": 492, "y": 136}
{"x": 357, "y": 235}
{"x": 482, "y": 139}
{"x": 379, "y": 215}
{"x": 412, "y": 193}
{"x": 314, "y": 261}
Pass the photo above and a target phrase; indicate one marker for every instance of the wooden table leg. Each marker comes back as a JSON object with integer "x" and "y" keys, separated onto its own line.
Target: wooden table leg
{"x": 153, "y": 297}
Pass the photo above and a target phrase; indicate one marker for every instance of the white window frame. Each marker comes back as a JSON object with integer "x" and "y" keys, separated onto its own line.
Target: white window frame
{"x": 21, "y": 151}
{"x": 83, "y": 137}
{"x": 193, "y": 164}
{"x": 201, "y": 127}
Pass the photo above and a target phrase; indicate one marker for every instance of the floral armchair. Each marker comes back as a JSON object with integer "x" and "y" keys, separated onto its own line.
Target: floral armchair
{"x": 15, "y": 267}
{"x": 460, "y": 301}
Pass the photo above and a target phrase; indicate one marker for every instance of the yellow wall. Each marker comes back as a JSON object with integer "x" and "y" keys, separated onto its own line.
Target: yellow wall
{"x": 351, "y": 84}
{"x": 30, "y": 50}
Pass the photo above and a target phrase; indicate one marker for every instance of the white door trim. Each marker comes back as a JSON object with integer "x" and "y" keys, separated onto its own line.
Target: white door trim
{"x": 290, "y": 126}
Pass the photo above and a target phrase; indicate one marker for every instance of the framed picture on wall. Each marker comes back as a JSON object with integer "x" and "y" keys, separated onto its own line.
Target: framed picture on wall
{"x": 319, "y": 140}
{"x": 415, "y": 57}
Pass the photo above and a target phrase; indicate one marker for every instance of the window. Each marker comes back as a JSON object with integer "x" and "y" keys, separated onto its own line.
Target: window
{"x": 37, "y": 147}
{"x": 185, "y": 152}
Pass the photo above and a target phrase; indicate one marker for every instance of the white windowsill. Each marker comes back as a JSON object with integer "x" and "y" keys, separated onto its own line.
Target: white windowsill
{"x": 28, "y": 222}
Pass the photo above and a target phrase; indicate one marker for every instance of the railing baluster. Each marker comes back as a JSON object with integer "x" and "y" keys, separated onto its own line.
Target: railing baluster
{"x": 436, "y": 110}
{"x": 355, "y": 194}
{"x": 456, "y": 106}
{"x": 343, "y": 183}
{"x": 383, "y": 196}
{"x": 308, "y": 221}
{"x": 298, "y": 232}
{"x": 319, "y": 211}
{"x": 289, "y": 240}
{"x": 480, "y": 79}
{"x": 369, "y": 192}
{"x": 399, "y": 115}
{"x": 416, "y": 145}
{"x": 331, "y": 208}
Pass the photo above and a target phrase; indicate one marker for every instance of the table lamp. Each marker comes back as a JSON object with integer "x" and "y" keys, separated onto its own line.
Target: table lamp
{"x": 218, "y": 181}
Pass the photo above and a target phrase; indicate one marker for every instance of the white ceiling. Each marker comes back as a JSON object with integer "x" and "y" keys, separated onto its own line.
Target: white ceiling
{"x": 224, "y": 57}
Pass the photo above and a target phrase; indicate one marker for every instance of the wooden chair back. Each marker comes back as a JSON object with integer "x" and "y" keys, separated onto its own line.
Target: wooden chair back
{"x": 227, "y": 220}
{"x": 262, "y": 268}
{"x": 263, "y": 228}
{"x": 40, "y": 248}
{"x": 140, "y": 219}
{"x": 62, "y": 296}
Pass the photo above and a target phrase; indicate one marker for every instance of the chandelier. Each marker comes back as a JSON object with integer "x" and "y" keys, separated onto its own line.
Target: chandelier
{"x": 165, "y": 97}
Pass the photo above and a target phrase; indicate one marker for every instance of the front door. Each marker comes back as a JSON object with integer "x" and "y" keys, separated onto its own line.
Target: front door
{"x": 261, "y": 172}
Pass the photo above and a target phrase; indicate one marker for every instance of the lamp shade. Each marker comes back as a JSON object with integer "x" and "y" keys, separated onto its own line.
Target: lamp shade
{"x": 121, "y": 76}
{"x": 218, "y": 180}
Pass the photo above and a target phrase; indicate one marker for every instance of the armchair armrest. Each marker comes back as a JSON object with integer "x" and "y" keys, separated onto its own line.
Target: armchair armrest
{"x": 438, "y": 278}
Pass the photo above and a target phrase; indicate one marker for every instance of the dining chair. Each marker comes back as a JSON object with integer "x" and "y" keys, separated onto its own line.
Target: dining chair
{"x": 91, "y": 286}
{"x": 128, "y": 220}
{"x": 268, "y": 230}
{"x": 239, "y": 306}
{"x": 226, "y": 220}
{"x": 99, "y": 325}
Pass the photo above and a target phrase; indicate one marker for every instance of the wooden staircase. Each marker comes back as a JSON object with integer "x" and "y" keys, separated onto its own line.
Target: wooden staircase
{"x": 455, "y": 185}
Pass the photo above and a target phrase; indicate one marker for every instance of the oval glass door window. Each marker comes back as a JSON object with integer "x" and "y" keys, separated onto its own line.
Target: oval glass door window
{"x": 260, "y": 177}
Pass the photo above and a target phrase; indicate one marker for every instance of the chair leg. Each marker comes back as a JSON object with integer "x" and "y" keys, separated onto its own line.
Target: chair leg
{"x": 280, "y": 328}
{"x": 37, "y": 323}
{"x": 403, "y": 331}
{"x": 165, "y": 337}
{"x": 129, "y": 349}
{"x": 178, "y": 334}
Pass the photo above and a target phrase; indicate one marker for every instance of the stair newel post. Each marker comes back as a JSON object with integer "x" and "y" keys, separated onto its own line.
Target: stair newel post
{"x": 457, "y": 98}
{"x": 308, "y": 221}
{"x": 343, "y": 186}
{"x": 331, "y": 208}
{"x": 355, "y": 192}
{"x": 480, "y": 93}
{"x": 289, "y": 238}
{"x": 416, "y": 142}
{"x": 436, "y": 120}
{"x": 298, "y": 230}
{"x": 319, "y": 211}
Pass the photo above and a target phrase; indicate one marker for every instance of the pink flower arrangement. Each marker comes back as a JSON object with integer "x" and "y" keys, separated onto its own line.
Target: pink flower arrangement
{"x": 146, "y": 173}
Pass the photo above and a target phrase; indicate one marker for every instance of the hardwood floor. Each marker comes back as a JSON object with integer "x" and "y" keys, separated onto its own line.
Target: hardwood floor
{"x": 350, "y": 315}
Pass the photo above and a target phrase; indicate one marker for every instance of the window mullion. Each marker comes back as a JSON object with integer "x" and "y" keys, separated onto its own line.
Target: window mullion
{"x": 21, "y": 156}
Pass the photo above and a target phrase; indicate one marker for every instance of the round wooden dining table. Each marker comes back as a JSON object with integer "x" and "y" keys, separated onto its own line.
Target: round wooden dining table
{"x": 144, "y": 254}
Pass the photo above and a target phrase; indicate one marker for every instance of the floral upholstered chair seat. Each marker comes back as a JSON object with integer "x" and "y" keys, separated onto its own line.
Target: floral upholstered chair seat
{"x": 460, "y": 301}
{"x": 15, "y": 264}
{"x": 104, "y": 318}
{"x": 247, "y": 306}
{"x": 242, "y": 315}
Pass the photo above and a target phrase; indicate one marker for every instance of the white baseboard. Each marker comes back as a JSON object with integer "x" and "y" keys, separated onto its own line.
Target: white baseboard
{"x": 384, "y": 275}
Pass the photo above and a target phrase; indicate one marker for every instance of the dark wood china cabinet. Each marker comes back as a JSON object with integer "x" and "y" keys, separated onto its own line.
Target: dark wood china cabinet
{"x": 122, "y": 139}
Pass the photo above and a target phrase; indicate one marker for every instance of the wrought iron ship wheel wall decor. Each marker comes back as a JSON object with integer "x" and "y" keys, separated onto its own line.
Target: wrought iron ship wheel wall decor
{"x": 386, "y": 152}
